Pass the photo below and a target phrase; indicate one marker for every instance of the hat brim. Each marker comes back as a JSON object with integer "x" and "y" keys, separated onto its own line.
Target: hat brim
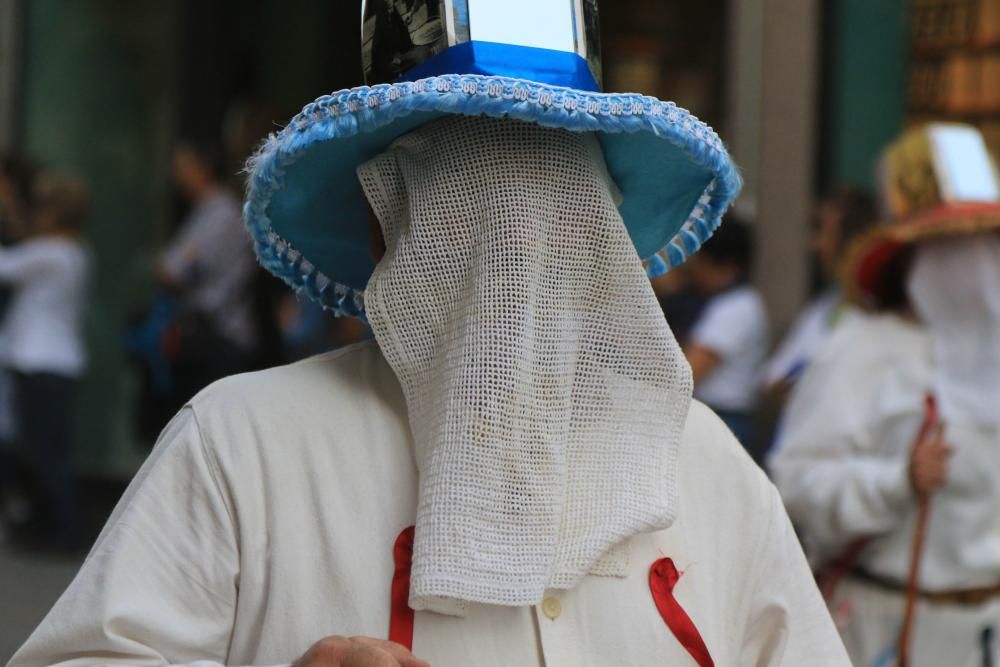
{"x": 870, "y": 257}
{"x": 306, "y": 212}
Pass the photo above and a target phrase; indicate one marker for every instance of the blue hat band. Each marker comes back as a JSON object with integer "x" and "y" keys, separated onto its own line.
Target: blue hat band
{"x": 548, "y": 66}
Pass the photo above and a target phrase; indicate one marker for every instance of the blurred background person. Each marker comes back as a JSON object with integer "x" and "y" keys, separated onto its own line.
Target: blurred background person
{"x": 680, "y": 302}
{"x": 17, "y": 179}
{"x": 729, "y": 338}
{"x": 43, "y": 347}
{"x": 897, "y": 415}
{"x": 209, "y": 268}
{"x": 838, "y": 221}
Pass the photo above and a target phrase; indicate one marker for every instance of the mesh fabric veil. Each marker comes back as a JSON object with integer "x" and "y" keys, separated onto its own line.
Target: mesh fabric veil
{"x": 954, "y": 285}
{"x": 546, "y": 394}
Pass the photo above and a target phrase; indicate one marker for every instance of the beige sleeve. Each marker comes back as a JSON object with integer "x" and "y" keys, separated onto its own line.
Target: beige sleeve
{"x": 832, "y": 462}
{"x": 788, "y": 622}
{"x": 160, "y": 585}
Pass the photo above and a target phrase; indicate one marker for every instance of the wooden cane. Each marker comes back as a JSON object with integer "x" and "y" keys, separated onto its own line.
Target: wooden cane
{"x": 930, "y": 423}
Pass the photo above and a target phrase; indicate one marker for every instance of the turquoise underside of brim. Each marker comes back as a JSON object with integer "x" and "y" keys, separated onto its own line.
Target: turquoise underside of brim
{"x": 306, "y": 212}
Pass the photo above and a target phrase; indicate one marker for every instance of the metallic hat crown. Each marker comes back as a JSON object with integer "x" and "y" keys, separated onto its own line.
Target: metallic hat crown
{"x": 935, "y": 164}
{"x": 555, "y": 41}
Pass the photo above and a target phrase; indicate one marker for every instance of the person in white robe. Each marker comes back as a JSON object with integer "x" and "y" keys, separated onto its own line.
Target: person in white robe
{"x": 513, "y": 473}
{"x": 851, "y": 465}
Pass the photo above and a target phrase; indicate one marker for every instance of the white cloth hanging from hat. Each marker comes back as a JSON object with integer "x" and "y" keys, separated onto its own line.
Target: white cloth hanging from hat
{"x": 954, "y": 285}
{"x": 545, "y": 392}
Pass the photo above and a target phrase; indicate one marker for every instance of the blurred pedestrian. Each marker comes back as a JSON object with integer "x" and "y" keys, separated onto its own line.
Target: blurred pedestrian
{"x": 209, "y": 267}
{"x": 680, "y": 302}
{"x": 839, "y": 220}
{"x": 42, "y": 344}
{"x": 728, "y": 342}
{"x": 889, "y": 459}
{"x": 17, "y": 178}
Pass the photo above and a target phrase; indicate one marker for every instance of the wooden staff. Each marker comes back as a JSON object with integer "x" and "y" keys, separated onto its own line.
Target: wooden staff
{"x": 930, "y": 426}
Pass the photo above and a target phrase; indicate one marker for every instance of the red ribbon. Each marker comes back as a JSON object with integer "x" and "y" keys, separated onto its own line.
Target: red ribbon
{"x": 663, "y": 576}
{"x": 400, "y": 614}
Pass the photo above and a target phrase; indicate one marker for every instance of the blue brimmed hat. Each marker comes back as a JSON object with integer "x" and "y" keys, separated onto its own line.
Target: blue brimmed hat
{"x": 305, "y": 209}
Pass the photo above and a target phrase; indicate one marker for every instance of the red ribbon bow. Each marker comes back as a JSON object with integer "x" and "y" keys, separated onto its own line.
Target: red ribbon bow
{"x": 400, "y": 614}
{"x": 663, "y": 576}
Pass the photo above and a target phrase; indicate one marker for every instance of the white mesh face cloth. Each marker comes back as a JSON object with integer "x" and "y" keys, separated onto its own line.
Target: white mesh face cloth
{"x": 953, "y": 286}
{"x": 546, "y": 394}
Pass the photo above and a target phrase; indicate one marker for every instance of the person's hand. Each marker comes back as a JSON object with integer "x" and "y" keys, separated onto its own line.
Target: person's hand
{"x": 929, "y": 463}
{"x": 358, "y": 652}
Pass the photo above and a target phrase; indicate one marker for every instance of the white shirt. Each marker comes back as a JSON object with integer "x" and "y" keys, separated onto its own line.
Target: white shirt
{"x": 734, "y": 327}
{"x": 806, "y": 337}
{"x": 844, "y": 451}
{"x": 213, "y": 263}
{"x": 41, "y": 332}
{"x": 265, "y": 520}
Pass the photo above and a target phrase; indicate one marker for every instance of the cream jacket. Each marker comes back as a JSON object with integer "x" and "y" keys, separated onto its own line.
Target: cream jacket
{"x": 842, "y": 466}
{"x": 842, "y": 461}
{"x": 265, "y": 520}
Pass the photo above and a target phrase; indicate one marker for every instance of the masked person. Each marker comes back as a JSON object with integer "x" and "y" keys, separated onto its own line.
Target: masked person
{"x": 515, "y": 473}
{"x": 209, "y": 268}
{"x": 899, "y": 411}
{"x": 43, "y": 347}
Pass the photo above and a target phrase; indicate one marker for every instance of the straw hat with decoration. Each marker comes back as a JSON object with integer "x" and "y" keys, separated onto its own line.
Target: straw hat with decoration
{"x": 938, "y": 180}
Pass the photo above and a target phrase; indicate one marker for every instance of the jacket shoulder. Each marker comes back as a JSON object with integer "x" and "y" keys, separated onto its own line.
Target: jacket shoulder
{"x": 330, "y": 401}
{"x": 324, "y": 379}
{"x": 709, "y": 445}
{"x": 722, "y": 489}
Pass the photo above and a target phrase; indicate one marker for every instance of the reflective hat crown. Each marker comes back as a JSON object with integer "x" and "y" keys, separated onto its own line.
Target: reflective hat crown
{"x": 550, "y": 41}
